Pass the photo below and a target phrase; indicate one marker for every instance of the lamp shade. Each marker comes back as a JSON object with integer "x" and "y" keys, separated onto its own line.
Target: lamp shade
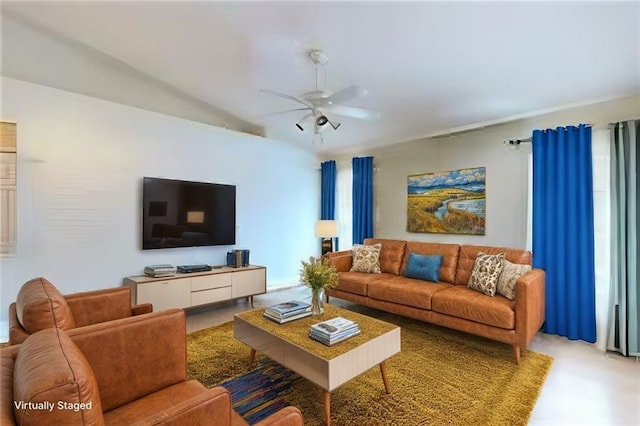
{"x": 326, "y": 228}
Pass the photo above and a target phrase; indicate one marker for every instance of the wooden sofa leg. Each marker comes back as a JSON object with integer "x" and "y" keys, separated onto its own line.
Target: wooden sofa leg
{"x": 516, "y": 352}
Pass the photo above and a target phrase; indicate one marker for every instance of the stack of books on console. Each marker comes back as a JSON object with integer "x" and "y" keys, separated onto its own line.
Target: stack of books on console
{"x": 157, "y": 271}
{"x": 287, "y": 311}
{"x": 334, "y": 330}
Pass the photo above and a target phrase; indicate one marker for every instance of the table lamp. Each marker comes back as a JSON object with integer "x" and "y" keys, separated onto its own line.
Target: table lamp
{"x": 326, "y": 229}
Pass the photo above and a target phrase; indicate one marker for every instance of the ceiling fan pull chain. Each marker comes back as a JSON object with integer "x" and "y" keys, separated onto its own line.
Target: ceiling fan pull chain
{"x": 325, "y": 80}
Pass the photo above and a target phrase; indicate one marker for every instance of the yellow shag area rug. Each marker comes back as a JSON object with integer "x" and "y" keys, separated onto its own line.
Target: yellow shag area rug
{"x": 441, "y": 376}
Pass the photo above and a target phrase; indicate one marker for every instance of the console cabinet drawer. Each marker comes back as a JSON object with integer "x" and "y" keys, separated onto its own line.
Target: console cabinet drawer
{"x": 209, "y": 296}
{"x": 166, "y": 294}
{"x": 207, "y": 282}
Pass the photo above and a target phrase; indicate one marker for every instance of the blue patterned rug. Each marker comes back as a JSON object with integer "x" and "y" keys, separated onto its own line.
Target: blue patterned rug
{"x": 261, "y": 392}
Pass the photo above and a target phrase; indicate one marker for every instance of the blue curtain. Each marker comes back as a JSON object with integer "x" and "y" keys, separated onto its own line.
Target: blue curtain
{"x": 328, "y": 190}
{"x": 563, "y": 234}
{"x": 328, "y": 193}
{"x": 362, "y": 198}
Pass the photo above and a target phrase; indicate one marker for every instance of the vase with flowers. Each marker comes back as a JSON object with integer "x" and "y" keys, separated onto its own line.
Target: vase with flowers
{"x": 318, "y": 274}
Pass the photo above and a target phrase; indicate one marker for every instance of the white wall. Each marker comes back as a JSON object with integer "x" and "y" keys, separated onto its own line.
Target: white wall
{"x": 80, "y": 166}
{"x": 506, "y": 185}
{"x": 34, "y": 54}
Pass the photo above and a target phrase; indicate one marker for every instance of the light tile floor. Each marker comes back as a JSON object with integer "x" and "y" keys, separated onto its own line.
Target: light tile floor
{"x": 585, "y": 386}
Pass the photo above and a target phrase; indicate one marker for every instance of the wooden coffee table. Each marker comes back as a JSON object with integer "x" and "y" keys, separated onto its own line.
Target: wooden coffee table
{"x": 329, "y": 367}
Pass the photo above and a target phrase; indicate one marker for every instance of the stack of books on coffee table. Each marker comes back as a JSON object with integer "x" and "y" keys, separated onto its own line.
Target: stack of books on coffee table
{"x": 334, "y": 330}
{"x": 287, "y": 311}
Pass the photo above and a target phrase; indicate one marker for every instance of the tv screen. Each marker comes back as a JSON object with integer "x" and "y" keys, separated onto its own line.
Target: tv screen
{"x": 177, "y": 213}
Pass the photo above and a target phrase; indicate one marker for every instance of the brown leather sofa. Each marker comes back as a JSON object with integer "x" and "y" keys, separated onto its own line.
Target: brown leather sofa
{"x": 40, "y": 305}
{"x": 449, "y": 302}
{"x": 131, "y": 371}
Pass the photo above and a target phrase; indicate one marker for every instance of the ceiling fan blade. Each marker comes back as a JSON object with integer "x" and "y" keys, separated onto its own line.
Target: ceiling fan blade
{"x": 269, "y": 114}
{"x": 343, "y": 95}
{"x": 290, "y": 97}
{"x": 363, "y": 114}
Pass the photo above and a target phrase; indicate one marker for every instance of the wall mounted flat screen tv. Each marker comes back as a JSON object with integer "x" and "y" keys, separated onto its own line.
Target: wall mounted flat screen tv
{"x": 178, "y": 213}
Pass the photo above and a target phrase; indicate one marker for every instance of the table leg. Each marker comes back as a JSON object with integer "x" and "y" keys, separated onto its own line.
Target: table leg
{"x": 252, "y": 357}
{"x": 327, "y": 406}
{"x": 383, "y": 371}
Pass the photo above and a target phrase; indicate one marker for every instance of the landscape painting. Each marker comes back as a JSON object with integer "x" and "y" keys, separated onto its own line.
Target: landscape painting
{"x": 450, "y": 202}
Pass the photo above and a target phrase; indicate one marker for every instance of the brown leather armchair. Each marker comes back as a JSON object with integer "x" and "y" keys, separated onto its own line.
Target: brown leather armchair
{"x": 40, "y": 305}
{"x": 131, "y": 371}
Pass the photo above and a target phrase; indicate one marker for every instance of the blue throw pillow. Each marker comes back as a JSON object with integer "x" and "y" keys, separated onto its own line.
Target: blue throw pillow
{"x": 423, "y": 267}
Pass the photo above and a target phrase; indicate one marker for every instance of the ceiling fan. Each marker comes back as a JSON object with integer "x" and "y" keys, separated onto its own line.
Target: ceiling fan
{"x": 321, "y": 103}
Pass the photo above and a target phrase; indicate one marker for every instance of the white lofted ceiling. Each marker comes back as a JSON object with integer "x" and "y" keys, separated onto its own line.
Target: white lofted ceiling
{"x": 428, "y": 67}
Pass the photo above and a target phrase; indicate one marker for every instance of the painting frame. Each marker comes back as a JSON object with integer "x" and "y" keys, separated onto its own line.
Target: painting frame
{"x": 447, "y": 202}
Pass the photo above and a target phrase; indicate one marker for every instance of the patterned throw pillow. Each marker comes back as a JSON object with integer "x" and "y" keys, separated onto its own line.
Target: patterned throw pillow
{"x": 507, "y": 279}
{"x": 366, "y": 258}
{"x": 485, "y": 273}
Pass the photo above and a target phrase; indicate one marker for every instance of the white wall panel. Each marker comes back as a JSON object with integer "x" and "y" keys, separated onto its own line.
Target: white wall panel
{"x": 80, "y": 166}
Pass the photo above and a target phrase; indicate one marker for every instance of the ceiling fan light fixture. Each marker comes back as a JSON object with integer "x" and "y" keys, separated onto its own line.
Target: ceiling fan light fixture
{"x": 322, "y": 120}
{"x": 318, "y": 57}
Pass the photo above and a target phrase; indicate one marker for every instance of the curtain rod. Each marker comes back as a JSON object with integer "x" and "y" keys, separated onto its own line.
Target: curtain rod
{"x": 516, "y": 142}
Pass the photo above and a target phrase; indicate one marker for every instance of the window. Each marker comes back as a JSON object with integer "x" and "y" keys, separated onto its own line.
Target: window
{"x": 8, "y": 186}
{"x": 344, "y": 213}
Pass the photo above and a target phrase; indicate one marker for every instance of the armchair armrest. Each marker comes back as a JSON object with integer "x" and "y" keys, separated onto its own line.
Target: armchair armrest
{"x": 135, "y": 356}
{"x": 208, "y": 407}
{"x": 7, "y": 361}
{"x": 91, "y": 307}
{"x": 341, "y": 260}
{"x": 143, "y": 308}
{"x": 530, "y": 305}
{"x": 288, "y": 416}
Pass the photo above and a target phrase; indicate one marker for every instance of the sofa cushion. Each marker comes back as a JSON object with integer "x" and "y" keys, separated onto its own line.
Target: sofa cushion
{"x": 423, "y": 267}
{"x": 357, "y": 282}
{"x": 391, "y": 254}
{"x": 449, "y": 254}
{"x": 406, "y": 291}
{"x": 366, "y": 258}
{"x": 462, "y": 302}
{"x": 49, "y": 368}
{"x": 468, "y": 254}
{"x": 485, "y": 274}
{"x": 40, "y": 305}
{"x": 508, "y": 277}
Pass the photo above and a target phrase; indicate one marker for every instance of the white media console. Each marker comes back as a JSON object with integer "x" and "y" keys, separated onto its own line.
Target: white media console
{"x": 198, "y": 288}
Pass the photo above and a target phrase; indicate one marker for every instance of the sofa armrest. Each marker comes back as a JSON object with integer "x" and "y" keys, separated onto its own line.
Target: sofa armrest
{"x": 288, "y": 416}
{"x": 91, "y": 307}
{"x": 143, "y": 308}
{"x": 17, "y": 334}
{"x": 212, "y": 406}
{"x": 341, "y": 260}
{"x": 135, "y": 356}
{"x": 530, "y": 305}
